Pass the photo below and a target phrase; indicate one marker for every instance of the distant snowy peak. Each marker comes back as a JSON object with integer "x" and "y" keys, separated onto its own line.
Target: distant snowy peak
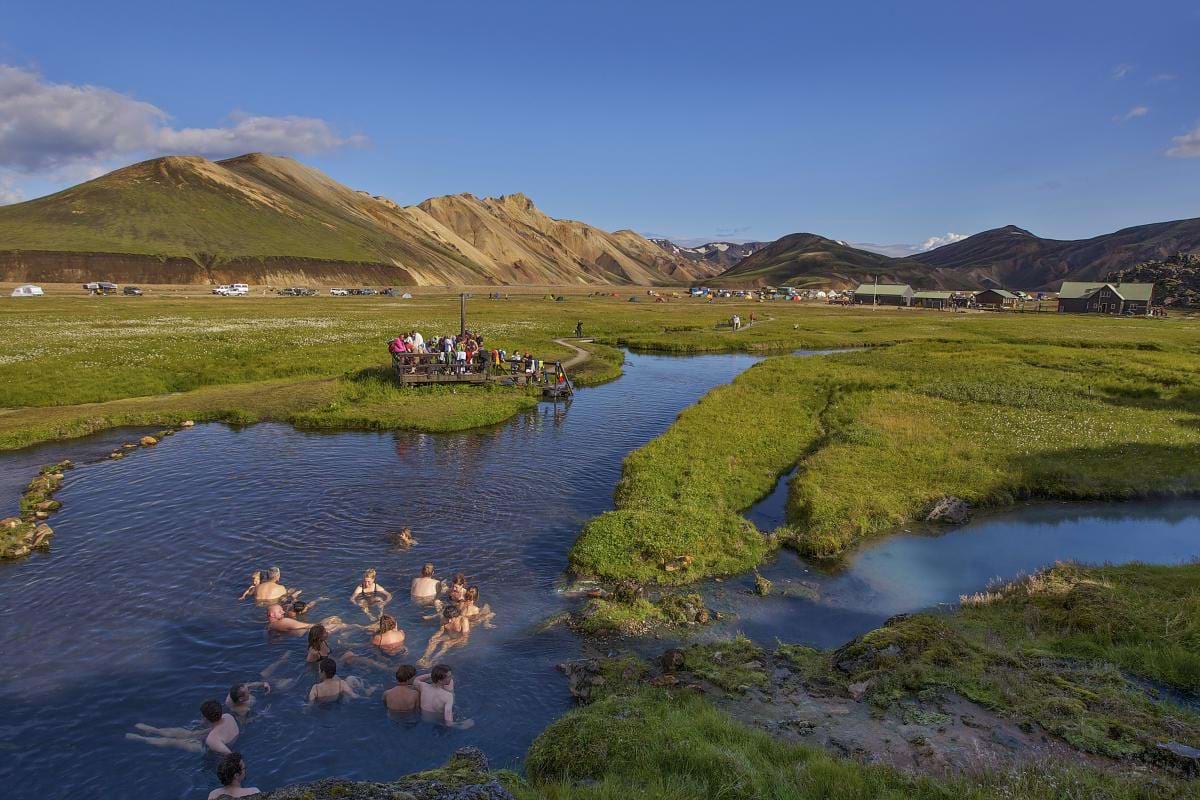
{"x": 724, "y": 254}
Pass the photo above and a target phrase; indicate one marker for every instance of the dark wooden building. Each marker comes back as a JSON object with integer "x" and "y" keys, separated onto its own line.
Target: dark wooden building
{"x": 1106, "y": 298}
{"x": 995, "y": 298}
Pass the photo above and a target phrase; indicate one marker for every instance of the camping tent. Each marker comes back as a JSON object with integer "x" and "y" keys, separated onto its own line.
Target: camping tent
{"x": 27, "y": 290}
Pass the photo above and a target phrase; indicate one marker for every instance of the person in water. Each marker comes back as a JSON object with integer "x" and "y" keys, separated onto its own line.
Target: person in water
{"x": 219, "y": 731}
{"x": 240, "y": 699}
{"x": 318, "y": 644}
{"x": 476, "y": 614}
{"x": 437, "y": 696}
{"x": 231, "y": 772}
{"x": 403, "y": 698}
{"x": 389, "y": 638}
{"x": 271, "y": 589}
{"x": 458, "y": 587}
{"x": 280, "y": 622}
{"x": 453, "y": 633}
{"x": 255, "y": 582}
{"x": 331, "y": 687}
{"x": 404, "y": 539}
{"x": 369, "y": 592}
{"x": 425, "y": 586}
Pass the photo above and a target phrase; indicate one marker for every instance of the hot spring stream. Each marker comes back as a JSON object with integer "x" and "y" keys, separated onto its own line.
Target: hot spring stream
{"x": 133, "y": 616}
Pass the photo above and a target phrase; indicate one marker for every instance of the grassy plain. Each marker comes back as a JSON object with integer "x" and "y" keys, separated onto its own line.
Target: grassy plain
{"x": 988, "y": 408}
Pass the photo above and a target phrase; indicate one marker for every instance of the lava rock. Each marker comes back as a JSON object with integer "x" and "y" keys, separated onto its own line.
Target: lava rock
{"x": 950, "y": 510}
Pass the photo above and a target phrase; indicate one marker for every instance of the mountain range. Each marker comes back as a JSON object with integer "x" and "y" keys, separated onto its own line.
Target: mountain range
{"x": 267, "y": 219}
{"x": 1008, "y": 257}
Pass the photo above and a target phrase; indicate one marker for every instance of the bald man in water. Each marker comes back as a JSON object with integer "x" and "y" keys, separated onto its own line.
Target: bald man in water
{"x": 280, "y": 622}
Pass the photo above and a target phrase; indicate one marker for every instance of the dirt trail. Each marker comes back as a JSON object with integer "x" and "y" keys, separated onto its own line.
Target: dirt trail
{"x": 580, "y": 356}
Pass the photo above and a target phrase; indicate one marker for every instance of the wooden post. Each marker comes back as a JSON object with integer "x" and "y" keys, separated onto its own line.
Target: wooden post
{"x": 462, "y": 313}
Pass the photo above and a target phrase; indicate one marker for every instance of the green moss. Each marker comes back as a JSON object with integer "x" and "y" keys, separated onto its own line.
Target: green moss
{"x": 733, "y": 665}
{"x": 1054, "y": 649}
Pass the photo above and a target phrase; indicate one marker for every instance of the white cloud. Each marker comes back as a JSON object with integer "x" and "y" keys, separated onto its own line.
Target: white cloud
{"x": 1121, "y": 70}
{"x": 1133, "y": 113}
{"x": 47, "y": 127}
{"x": 938, "y": 241}
{"x": 9, "y": 191}
{"x": 1163, "y": 77}
{"x": 1187, "y": 145}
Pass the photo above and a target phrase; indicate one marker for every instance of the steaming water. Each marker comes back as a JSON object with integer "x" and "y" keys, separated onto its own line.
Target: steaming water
{"x": 133, "y": 616}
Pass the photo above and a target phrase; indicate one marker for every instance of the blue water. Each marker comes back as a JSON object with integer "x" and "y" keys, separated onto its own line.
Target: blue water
{"x": 133, "y": 617}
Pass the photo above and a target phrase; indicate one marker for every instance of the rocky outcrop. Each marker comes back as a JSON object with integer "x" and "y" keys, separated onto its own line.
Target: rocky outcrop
{"x": 465, "y": 777}
{"x": 950, "y": 510}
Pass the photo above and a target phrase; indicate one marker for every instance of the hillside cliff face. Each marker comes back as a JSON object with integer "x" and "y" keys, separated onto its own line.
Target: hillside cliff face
{"x": 257, "y": 218}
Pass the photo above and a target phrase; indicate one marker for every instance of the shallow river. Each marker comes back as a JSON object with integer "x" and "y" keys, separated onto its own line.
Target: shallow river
{"x": 133, "y": 616}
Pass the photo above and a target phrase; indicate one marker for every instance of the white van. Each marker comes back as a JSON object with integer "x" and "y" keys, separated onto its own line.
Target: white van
{"x": 239, "y": 289}
{"x": 28, "y": 290}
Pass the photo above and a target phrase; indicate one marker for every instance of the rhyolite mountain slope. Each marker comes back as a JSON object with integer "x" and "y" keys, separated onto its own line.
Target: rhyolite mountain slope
{"x": 267, "y": 219}
{"x": 806, "y": 259}
{"x": 722, "y": 255}
{"x": 1014, "y": 257}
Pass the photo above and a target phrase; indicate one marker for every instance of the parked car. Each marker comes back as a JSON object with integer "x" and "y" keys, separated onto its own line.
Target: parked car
{"x": 338, "y": 292}
{"x": 100, "y": 287}
{"x": 368, "y": 292}
{"x": 232, "y": 290}
{"x": 132, "y": 291}
{"x": 388, "y": 292}
{"x": 298, "y": 291}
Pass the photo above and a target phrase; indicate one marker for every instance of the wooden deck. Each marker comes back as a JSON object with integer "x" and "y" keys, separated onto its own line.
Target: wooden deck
{"x": 423, "y": 369}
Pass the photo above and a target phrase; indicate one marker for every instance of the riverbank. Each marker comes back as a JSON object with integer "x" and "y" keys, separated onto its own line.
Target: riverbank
{"x": 878, "y": 438}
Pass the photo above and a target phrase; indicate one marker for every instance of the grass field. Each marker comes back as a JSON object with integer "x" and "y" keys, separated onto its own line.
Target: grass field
{"x": 988, "y": 409}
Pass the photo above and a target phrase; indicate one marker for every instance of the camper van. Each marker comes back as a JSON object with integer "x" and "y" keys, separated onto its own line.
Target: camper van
{"x": 28, "y": 290}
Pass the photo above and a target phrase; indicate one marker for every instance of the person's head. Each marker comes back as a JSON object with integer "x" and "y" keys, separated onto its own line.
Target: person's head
{"x": 406, "y": 533}
{"x": 427, "y": 571}
{"x": 405, "y": 673}
{"x": 230, "y": 768}
{"x": 274, "y": 612}
{"x": 472, "y": 594}
{"x": 317, "y": 636}
{"x": 256, "y": 577}
{"x": 460, "y": 579}
{"x": 369, "y": 576}
{"x": 328, "y": 667}
{"x": 273, "y": 574}
{"x": 440, "y": 674}
{"x": 451, "y": 612}
{"x": 299, "y": 607}
{"x": 386, "y": 623}
{"x": 211, "y": 711}
{"x": 239, "y": 694}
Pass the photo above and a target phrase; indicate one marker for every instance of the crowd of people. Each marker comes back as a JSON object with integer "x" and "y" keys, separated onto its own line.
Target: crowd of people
{"x": 461, "y": 354}
{"x": 453, "y": 603}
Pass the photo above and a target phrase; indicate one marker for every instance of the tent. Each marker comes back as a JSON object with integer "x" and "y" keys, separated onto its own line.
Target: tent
{"x": 27, "y": 290}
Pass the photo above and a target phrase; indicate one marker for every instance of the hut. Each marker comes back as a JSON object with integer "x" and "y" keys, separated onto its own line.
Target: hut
{"x": 884, "y": 294}
{"x": 930, "y": 299}
{"x": 1106, "y": 298}
{"x": 995, "y": 299}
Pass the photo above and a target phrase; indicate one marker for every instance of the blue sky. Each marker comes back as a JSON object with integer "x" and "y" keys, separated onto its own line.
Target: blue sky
{"x": 871, "y": 122}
